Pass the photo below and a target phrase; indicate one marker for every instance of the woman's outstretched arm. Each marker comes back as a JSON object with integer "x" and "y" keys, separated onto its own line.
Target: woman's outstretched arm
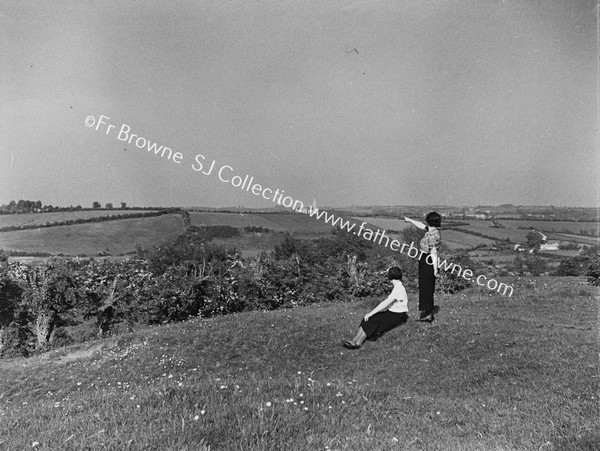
{"x": 418, "y": 224}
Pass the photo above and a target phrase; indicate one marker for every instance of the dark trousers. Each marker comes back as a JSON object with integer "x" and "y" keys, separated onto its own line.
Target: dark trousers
{"x": 426, "y": 285}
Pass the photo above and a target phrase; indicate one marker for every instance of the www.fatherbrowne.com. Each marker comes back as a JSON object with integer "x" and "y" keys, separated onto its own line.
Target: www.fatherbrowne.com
{"x": 277, "y": 196}
{"x": 412, "y": 251}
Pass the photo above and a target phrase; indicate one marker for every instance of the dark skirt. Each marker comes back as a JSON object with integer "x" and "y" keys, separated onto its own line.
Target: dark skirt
{"x": 382, "y": 322}
{"x": 426, "y": 285}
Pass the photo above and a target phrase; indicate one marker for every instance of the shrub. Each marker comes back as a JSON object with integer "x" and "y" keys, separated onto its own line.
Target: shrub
{"x": 593, "y": 270}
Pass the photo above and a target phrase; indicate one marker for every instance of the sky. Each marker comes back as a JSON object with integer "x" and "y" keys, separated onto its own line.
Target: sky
{"x": 374, "y": 102}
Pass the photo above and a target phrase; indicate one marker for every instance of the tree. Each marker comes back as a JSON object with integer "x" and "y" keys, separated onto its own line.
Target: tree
{"x": 534, "y": 239}
{"x": 109, "y": 206}
{"x": 96, "y": 205}
{"x": 123, "y": 205}
{"x": 50, "y": 291}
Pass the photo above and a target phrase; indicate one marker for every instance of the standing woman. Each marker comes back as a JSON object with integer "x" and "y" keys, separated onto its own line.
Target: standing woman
{"x": 428, "y": 263}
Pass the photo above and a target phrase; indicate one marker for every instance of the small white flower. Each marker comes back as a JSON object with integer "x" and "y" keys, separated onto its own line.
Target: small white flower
{"x": 202, "y": 412}
{"x": 34, "y": 444}
{"x": 268, "y": 404}
{"x": 196, "y": 418}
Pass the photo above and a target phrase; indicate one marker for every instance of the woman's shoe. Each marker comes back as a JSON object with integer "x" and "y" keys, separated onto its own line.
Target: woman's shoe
{"x": 349, "y": 345}
{"x": 426, "y": 317}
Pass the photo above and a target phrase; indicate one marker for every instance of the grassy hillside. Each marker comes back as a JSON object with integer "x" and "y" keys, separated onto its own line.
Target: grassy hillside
{"x": 115, "y": 237}
{"x": 494, "y": 373}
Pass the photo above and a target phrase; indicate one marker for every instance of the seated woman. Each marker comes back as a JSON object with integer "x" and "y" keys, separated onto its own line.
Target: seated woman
{"x": 390, "y": 313}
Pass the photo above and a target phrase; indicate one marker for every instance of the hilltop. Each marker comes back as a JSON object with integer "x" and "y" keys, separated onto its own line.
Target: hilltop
{"x": 493, "y": 373}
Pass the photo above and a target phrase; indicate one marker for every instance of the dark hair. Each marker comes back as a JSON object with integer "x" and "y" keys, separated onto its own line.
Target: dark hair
{"x": 395, "y": 273}
{"x": 434, "y": 219}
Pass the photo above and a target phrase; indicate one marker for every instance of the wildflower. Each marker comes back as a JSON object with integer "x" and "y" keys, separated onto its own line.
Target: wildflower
{"x": 202, "y": 412}
{"x": 34, "y": 444}
{"x": 268, "y": 404}
{"x": 196, "y": 418}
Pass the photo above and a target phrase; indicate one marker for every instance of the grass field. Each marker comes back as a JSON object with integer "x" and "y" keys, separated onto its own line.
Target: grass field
{"x": 494, "y": 373}
{"x": 115, "y": 237}
{"x": 553, "y": 226}
{"x": 30, "y": 219}
{"x": 279, "y": 222}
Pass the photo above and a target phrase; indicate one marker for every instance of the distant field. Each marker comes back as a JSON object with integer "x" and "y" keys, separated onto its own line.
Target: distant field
{"x": 123, "y": 235}
{"x": 279, "y": 222}
{"x": 115, "y": 237}
{"x": 554, "y": 226}
{"x": 30, "y": 219}
{"x": 517, "y": 235}
{"x": 384, "y": 223}
{"x": 455, "y": 239}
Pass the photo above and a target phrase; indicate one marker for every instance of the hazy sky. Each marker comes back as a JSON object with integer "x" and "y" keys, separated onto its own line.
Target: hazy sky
{"x": 348, "y": 102}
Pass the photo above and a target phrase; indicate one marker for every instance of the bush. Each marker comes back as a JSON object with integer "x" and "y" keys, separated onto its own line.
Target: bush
{"x": 452, "y": 282}
{"x": 572, "y": 267}
{"x": 593, "y": 270}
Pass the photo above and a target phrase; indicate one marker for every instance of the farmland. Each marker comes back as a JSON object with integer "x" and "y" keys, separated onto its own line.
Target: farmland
{"x": 40, "y": 219}
{"x": 554, "y": 226}
{"x": 114, "y": 237}
{"x": 279, "y": 222}
{"x": 480, "y": 238}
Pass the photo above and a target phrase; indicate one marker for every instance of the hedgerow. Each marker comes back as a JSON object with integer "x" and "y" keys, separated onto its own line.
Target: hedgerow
{"x": 69, "y": 300}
